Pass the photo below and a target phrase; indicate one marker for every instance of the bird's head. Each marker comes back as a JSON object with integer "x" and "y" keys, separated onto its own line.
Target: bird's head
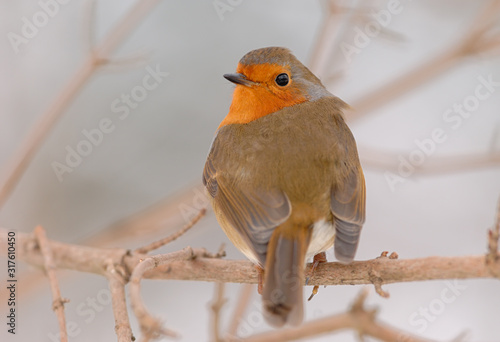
{"x": 267, "y": 80}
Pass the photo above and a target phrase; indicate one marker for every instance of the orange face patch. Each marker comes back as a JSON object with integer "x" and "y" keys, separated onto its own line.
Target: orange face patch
{"x": 264, "y": 97}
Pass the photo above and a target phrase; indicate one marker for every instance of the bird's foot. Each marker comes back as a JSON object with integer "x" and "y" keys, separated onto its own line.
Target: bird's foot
{"x": 318, "y": 258}
{"x": 260, "y": 281}
{"x": 314, "y": 292}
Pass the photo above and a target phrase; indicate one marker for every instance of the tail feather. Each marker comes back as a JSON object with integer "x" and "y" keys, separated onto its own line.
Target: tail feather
{"x": 284, "y": 276}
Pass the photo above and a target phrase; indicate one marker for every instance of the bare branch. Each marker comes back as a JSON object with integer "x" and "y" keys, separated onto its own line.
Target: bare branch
{"x": 88, "y": 259}
{"x": 332, "y": 273}
{"x": 41, "y": 129}
{"x": 170, "y": 238}
{"x": 58, "y": 301}
{"x": 151, "y": 327}
{"x": 216, "y": 307}
{"x": 117, "y": 283}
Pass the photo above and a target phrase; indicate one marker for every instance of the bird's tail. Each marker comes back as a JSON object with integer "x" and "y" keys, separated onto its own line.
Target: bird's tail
{"x": 284, "y": 275}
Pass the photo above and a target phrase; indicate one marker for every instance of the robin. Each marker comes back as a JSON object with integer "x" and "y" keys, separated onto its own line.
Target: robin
{"x": 284, "y": 177}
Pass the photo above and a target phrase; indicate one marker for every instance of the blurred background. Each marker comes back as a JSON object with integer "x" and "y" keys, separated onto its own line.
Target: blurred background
{"x": 122, "y": 166}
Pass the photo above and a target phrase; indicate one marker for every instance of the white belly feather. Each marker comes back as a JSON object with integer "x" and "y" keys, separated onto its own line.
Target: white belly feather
{"x": 322, "y": 238}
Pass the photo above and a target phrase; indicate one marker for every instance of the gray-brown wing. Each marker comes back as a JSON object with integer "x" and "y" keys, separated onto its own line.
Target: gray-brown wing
{"x": 253, "y": 213}
{"x": 348, "y": 207}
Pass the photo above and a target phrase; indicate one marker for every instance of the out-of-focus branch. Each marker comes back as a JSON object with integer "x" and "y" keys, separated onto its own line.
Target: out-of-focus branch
{"x": 333, "y": 32}
{"x": 321, "y": 57}
{"x": 99, "y": 55}
{"x": 402, "y": 84}
{"x": 493, "y": 256}
{"x": 58, "y": 301}
{"x": 481, "y": 39}
{"x": 216, "y": 306}
{"x": 357, "y": 318}
{"x": 386, "y": 161}
{"x": 240, "y": 308}
{"x": 161, "y": 217}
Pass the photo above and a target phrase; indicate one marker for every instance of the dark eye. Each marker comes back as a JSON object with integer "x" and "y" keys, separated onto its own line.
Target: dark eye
{"x": 282, "y": 80}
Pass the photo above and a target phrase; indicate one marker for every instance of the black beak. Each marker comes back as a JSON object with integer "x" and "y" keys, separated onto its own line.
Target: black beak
{"x": 238, "y": 79}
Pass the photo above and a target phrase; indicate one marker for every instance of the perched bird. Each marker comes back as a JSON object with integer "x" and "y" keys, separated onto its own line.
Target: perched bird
{"x": 284, "y": 177}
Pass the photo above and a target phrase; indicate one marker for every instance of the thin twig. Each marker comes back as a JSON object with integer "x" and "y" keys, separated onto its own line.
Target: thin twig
{"x": 117, "y": 283}
{"x": 493, "y": 235}
{"x": 152, "y": 327}
{"x": 240, "y": 309}
{"x": 160, "y": 243}
{"x": 160, "y": 217}
{"x": 23, "y": 156}
{"x": 57, "y": 300}
{"x": 216, "y": 307}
